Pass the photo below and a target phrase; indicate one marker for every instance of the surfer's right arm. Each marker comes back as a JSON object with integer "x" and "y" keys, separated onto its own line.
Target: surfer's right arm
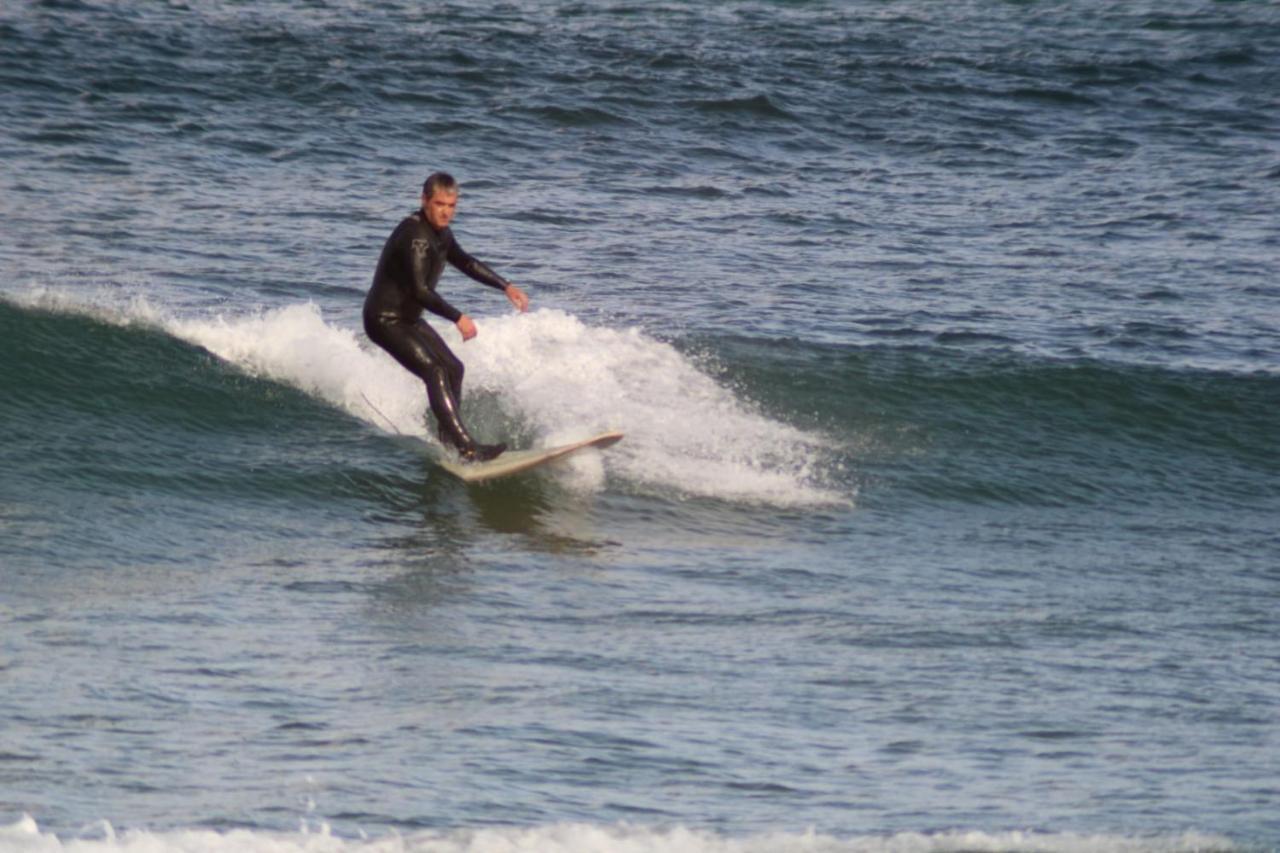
{"x": 431, "y": 300}
{"x": 422, "y": 280}
{"x": 436, "y": 304}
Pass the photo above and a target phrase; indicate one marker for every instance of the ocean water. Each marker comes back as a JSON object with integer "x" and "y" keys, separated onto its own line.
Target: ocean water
{"x": 946, "y": 342}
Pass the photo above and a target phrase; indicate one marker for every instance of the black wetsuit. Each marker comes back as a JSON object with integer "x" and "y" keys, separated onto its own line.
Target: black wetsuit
{"x": 404, "y": 285}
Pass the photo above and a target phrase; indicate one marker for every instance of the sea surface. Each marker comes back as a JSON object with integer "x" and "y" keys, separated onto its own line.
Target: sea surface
{"x": 946, "y": 341}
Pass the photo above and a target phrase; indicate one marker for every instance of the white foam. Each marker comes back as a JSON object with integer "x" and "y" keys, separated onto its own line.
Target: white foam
{"x": 295, "y": 345}
{"x": 102, "y": 302}
{"x": 554, "y": 378}
{"x": 25, "y": 836}
{"x": 684, "y": 430}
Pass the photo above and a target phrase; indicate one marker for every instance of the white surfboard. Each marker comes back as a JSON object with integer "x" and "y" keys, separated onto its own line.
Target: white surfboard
{"x": 516, "y": 461}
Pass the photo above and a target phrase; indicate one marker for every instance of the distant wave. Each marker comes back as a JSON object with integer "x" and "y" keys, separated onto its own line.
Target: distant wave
{"x": 755, "y": 106}
{"x": 26, "y": 836}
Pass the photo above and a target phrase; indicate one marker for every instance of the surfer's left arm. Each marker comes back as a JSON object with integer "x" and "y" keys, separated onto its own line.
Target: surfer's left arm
{"x": 483, "y": 273}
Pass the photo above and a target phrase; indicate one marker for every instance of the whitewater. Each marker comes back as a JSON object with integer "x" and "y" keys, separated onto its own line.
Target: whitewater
{"x": 545, "y": 378}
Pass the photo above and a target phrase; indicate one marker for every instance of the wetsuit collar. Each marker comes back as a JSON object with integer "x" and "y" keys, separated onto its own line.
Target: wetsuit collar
{"x": 421, "y": 215}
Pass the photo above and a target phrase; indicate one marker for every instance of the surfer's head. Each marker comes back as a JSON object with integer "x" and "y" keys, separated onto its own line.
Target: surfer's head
{"x": 439, "y": 199}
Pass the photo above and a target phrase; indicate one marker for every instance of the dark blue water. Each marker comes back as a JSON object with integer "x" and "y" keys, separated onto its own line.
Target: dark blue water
{"x": 946, "y": 341}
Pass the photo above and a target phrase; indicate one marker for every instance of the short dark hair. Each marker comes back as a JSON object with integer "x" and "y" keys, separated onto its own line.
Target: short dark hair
{"x": 439, "y": 181}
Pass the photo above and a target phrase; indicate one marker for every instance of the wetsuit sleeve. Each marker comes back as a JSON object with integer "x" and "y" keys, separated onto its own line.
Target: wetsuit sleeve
{"x": 436, "y": 304}
{"x": 476, "y": 269}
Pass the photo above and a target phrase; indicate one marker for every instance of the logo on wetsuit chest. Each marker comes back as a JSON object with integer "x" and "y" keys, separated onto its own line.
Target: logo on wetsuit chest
{"x": 427, "y": 243}
{"x": 428, "y": 259}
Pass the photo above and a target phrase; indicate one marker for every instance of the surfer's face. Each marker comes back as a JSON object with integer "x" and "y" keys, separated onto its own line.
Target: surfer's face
{"x": 440, "y": 208}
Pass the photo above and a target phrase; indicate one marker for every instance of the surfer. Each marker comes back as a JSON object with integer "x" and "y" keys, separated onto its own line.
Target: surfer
{"x": 404, "y": 285}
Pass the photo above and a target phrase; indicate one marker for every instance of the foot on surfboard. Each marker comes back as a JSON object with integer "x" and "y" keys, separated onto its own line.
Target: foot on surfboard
{"x": 482, "y": 452}
{"x": 519, "y": 461}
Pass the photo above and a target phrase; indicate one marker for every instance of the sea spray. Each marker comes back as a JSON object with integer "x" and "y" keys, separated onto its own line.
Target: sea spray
{"x": 555, "y": 379}
{"x": 684, "y": 430}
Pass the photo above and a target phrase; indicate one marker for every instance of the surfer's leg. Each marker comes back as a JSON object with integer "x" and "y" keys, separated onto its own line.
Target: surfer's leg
{"x": 413, "y": 347}
{"x": 420, "y": 350}
{"x": 443, "y": 356}
{"x": 444, "y": 388}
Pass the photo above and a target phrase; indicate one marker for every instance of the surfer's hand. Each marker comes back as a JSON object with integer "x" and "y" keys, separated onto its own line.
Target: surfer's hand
{"x": 467, "y": 327}
{"x": 517, "y": 297}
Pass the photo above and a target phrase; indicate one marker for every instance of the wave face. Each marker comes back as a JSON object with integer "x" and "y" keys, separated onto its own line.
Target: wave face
{"x": 988, "y": 428}
{"x": 976, "y": 429}
{"x": 587, "y": 380}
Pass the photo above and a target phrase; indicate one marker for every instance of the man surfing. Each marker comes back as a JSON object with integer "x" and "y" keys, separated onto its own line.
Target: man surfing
{"x": 404, "y": 285}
